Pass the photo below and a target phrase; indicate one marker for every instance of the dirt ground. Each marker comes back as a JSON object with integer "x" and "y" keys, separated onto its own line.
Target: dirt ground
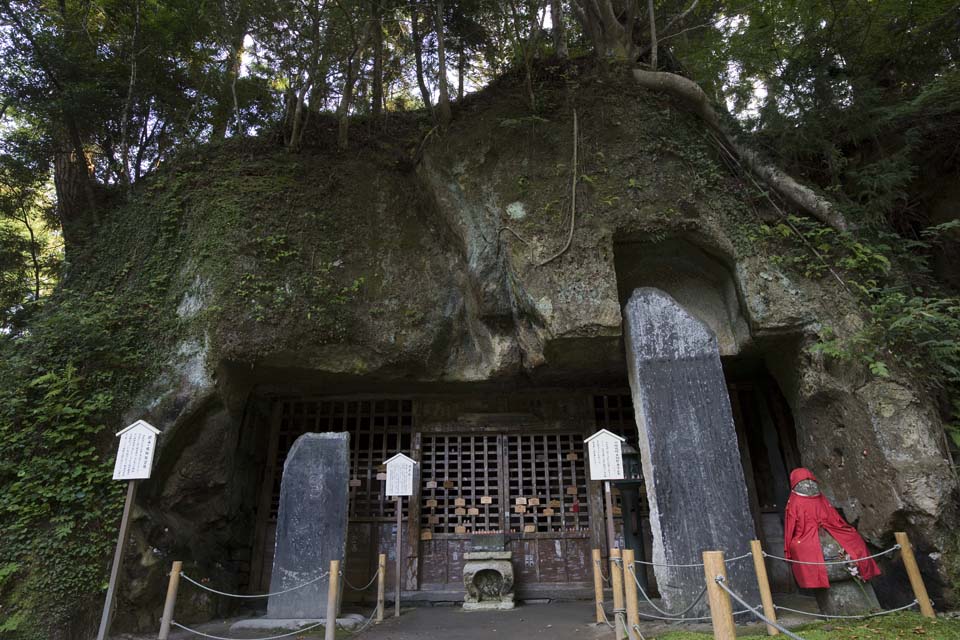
{"x": 553, "y": 621}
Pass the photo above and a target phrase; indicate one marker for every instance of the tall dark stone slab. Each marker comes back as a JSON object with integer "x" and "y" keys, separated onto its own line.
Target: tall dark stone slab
{"x": 688, "y": 446}
{"x": 311, "y": 524}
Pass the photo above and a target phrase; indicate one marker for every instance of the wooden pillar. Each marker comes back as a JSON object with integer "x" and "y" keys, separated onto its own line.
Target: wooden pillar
{"x": 913, "y": 572}
{"x": 171, "y": 600}
{"x": 333, "y": 593}
{"x": 107, "y": 617}
{"x": 760, "y": 568}
{"x": 721, "y": 612}
{"x": 630, "y": 588}
{"x": 381, "y": 585}
{"x": 396, "y": 595}
{"x": 616, "y": 583}
{"x": 598, "y": 584}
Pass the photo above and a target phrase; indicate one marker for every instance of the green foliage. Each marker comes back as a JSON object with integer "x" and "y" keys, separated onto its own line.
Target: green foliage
{"x": 64, "y": 384}
{"x": 891, "y": 627}
{"x": 909, "y": 323}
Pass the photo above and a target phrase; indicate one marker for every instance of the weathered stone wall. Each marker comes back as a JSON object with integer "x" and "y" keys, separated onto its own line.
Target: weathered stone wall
{"x": 438, "y": 278}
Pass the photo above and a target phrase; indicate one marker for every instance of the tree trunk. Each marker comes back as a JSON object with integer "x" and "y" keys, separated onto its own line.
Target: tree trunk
{"x": 461, "y": 72}
{"x": 376, "y": 100}
{"x": 346, "y": 97}
{"x": 797, "y": 195}
{"x": 128, "y": 103}
{"x": 559, "y": 30}
{"x": 653, "y": 35}
{"x": 418, "y": 56}
{"x": 444, "y": 102}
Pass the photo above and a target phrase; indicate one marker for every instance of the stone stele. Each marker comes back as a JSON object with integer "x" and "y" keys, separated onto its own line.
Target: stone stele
{"x": 311, "y": 524}
{"x": 688, "y": 447}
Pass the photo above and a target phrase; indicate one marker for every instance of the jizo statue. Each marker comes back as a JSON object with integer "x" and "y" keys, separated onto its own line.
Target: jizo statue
{"x": 815, "y": 532}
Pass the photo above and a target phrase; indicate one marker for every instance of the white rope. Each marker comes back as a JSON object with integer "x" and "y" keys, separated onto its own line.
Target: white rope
{"x": 350, "y": 586}
{"x": 693, "y": 564}
{"x": 366, "y": 624}
{"x": 756, "y": 612}
{"x": 837, "y": 617}
{"x": 256, "y": 595}
{"x": 212, "y": 637}
{"x": 636, "y": 628}
{"x": 603, "y": 613}
{"x": 678, "y": 616}
{"x": 600, "y": 569}
{"x": 692, "y": 619}
{"x": 850, "y": 561}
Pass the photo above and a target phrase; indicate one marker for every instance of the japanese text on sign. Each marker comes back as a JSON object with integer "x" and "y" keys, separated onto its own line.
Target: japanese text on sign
{"x": 400, "y": 476}
{"x": 606, "y": 457}
{"x": 135, "y": 455}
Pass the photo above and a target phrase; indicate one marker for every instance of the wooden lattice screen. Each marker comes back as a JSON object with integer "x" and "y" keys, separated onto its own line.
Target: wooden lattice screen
{"x": 377, "y": 428}
{"x": 547, "y": 483}
{"x": 460, "y": 484}
{"x": 516, "y": 483}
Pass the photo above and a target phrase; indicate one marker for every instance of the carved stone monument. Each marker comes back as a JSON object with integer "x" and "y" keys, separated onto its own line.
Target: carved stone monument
{"x": 311, "y": 524}
{"x": 688, "y": 447}
{"x": 488, "y": 574}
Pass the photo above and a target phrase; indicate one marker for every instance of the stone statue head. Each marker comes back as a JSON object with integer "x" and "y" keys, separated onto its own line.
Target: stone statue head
{"x": 807, "y": 488}
{"x": 803, "y": 482}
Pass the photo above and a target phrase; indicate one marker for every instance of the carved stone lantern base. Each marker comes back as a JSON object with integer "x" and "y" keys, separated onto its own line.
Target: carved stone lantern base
{"x": 488, "y": 579}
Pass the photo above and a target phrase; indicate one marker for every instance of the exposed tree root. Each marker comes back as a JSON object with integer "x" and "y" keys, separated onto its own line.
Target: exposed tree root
{"x": 794, "y": 193}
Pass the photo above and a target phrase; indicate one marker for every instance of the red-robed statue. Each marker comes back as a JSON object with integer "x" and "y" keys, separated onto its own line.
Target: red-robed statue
{"x": 808, "y": 511}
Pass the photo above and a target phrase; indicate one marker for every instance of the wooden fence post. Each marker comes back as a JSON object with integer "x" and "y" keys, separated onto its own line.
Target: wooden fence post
{"x": 333, "y": 592}
{"x": 171, "y": 600}
{"x": 381, "y": 585}
{"x": 721, "y": 613}
{"x": 616, "y": 583}
{"x": 598, "y": 584}
{"x": 760, "y": 568}
{"x": 630, "y": 588}
{"x": 913, "y": 572}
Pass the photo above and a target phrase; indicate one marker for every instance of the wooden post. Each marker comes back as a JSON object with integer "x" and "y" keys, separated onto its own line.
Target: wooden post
{"x": 611, "y": 532}
{"x": 913, "y": 572}
{"x": 381, "y": 584}
{"x": 721, "y": 612}
{"x": 616, "y": 583}
{"x": 630, "y": 588}
{"x": 598, "y": 584}
{"x": 396, "y": 594}
{"x": 171, "y": 600}
{"x": 760, "y": 568}
{"x": 107, "y": 616}
{"x": 333, "y": 595}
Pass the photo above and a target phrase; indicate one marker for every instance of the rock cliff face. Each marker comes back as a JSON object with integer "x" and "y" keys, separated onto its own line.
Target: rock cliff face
{"x": 351, "y": 271}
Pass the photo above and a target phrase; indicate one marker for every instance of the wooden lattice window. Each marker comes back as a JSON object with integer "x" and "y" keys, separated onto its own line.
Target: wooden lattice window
{"x": 460, "y": 478}
{"x": 547, "y": 483}
{"x": 377, "y": 428}
{"x": 614, "y": 412}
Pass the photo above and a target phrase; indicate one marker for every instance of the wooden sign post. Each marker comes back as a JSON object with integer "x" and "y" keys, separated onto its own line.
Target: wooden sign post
{"x": 134, "y": 462}
{"x": 605, "y": 451}
{"x": 399, "y": 484}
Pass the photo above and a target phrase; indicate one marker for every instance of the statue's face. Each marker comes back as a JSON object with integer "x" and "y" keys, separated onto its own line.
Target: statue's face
{"x": 807, "y": 488}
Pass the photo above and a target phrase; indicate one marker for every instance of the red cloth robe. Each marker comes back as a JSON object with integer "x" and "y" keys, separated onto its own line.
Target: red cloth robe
{"x": 804, "y": 517}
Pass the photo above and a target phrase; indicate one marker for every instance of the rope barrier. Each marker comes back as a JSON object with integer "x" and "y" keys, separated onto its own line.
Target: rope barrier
{"x": 838, "y": 617}
{"x": 600, "y": 569}
{"x": 606, "y": 620}
{"x": 830, "y": 562}
{"x": 256, "y": 595}
{"x": 636, "y": 628}
{"x": 369, "y": 584}
{"x": 212, "y": 637}
{"x": 367, "y": 622}
{"x": 720, "y": 581}
{"x": 678, "y": 616}
{"x": 691, "y": 565}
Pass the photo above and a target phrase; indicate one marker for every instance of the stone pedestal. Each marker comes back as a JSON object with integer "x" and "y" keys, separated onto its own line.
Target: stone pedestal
{"x": 688, "y": 447}
{"x": 311, "y": 524}
{"x": 846, "y": 596}
{"x": 488, "y": 579}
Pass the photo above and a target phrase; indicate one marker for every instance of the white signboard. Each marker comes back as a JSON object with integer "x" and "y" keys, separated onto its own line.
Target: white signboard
{"x": 400, "y": 475}
{"x": 135, "y": 454}
{"x": 606, "y": 455}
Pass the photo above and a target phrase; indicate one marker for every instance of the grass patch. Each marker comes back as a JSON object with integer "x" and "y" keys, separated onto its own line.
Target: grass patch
{"x": 897, "y": 625}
